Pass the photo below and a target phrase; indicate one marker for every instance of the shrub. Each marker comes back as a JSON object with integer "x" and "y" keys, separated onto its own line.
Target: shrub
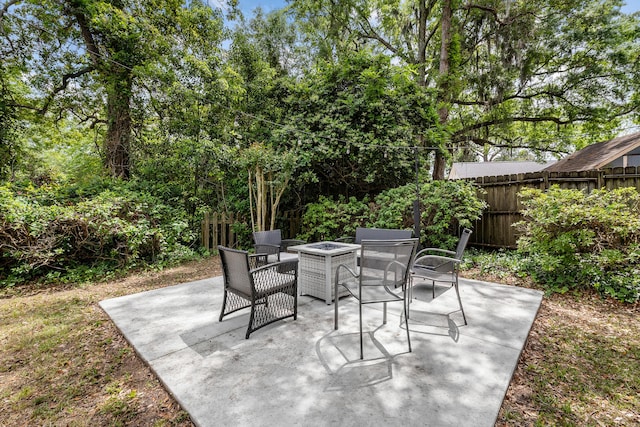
{"x": 118, "y": 228}
{"x": 329, "y": 219}
{"x": 578, "y": 240}
{"x": 445, "y": 206}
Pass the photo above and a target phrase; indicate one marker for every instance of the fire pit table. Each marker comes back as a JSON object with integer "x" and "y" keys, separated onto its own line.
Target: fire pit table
{"x": 317, "y": 265}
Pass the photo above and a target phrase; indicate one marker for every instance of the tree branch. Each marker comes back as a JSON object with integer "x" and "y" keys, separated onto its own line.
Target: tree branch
{"x": 65, "y": 82}
{"x": 370, "y": 33}
{"x": 504, "y": 120}
{"x": 484, "y": 141}
{"x": 87, "y": 36}
{"x": 6, "y": 7}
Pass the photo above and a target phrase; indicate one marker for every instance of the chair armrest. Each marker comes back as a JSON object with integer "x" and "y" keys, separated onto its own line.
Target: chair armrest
{"x": 437, "y": 263}
{"x": 346, "y": 239}
{"x": 274, "y": 275}
{"x": 349, "y": 269}
{"x": 387, "y": 270}
{"x": 290, "y": 242}
{"x": 437, "y": 258}
{"x": 438, "y": 250}
{"x": 257, "y": 260}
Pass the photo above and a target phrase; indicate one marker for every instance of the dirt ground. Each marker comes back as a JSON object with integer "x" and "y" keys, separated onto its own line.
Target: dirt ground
{"x": 114, "y": 387}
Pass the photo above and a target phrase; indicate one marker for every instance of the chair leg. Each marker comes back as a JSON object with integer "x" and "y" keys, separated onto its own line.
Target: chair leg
{"x": 384, "y": 313}
{"x": 224, "y": 304}
{"x": 406, "y": 322}
{"x": 251, "y": 316}
{"x": 460, "y": 300}
{"x": 409, "y": 296}
{"x": 335, "y": 307}
{"x": 360, "y": 315}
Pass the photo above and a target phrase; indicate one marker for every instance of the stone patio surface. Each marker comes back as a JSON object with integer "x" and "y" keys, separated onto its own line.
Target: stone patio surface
{"x": 304, "y": 373}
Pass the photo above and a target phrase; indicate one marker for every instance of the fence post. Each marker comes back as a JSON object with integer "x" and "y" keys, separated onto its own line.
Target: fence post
{"x": 206, "y": 231}
{"x": 229, "y": 226}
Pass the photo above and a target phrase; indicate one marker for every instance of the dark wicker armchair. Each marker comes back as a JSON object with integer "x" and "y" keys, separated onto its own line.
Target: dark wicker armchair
{"x": 271, "y": 243}
{"x": 270, "y": 290}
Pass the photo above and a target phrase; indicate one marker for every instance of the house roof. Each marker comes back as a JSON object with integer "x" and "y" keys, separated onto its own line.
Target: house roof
{"x": 596, "y": 156}
{"x": 463, "y": 170}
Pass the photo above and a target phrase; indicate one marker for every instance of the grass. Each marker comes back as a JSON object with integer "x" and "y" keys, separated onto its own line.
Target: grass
{"x": 64, "y": 363}
{"x": 581, "y": 362}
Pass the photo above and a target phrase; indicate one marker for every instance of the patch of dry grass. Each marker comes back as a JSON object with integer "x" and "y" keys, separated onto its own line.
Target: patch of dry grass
{"x": 580, "y": 366}
{"x": 64, "y": 363}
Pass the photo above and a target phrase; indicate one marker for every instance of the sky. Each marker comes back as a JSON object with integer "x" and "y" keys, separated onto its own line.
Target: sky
{"x": 248, "y": 6}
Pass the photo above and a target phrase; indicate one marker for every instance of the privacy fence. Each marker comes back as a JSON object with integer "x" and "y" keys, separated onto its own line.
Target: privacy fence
{"x": 495, "y": 228}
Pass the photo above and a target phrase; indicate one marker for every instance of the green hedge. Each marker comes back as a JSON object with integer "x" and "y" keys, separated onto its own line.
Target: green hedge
{"x": 445, "y": 206}
{"x": 576, "y": 240}
{"x": 43, "y": 235}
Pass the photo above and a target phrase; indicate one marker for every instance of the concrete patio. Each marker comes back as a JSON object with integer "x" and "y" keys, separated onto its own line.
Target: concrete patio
{"x": 304, "y": 373}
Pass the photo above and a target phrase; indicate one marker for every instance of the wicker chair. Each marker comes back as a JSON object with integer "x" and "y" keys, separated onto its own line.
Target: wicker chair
{"x": 270, "y": 290}
{"x": 382, "y": 277}
{"x": 271, "y": 243}
{"x": 432, "y": 265}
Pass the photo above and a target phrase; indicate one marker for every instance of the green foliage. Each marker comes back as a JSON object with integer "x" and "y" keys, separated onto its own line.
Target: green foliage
{"x": 445, "y": 206}
{"x": 578, "y": 240}
{"x": 357, "y": 119}
{"x": 503, "y": 263}
{"x": 329, "y": 219}
{"x": 116, "y": 228}
{"x": 543, "y": 74}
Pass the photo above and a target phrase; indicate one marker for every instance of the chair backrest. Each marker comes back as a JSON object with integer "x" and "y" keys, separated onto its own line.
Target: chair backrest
{"x": 271, "y": 237}
{"x": 235, "y": 269}
{"x": 386, "y": 259}
{"x": 363, "y": 233}
{"x": 462, "y": 243}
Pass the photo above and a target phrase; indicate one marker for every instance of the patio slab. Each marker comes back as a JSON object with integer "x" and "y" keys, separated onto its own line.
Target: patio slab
{"x": 303, "y": 372}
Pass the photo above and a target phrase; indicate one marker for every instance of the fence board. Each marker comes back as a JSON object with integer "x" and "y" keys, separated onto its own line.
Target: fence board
{"x": 495, "y": 228}
{"x": 217, "y": 229}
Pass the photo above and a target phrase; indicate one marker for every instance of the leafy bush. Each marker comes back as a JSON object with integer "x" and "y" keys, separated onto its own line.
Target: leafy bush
{"x": 120, "y": 228}
{"x": 445, "y": 206}
{"x": 578, "y": 240}
{"x": 329, "y": 219}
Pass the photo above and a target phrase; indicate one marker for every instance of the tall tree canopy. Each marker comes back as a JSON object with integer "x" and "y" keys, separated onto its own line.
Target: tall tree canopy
{"x": 540, "y": 74}
{"x": 86, "y": 57}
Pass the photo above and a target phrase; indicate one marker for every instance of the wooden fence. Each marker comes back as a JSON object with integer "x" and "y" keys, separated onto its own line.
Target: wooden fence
{"x": 495, "y": 228}
{"x": 217, "y": 228}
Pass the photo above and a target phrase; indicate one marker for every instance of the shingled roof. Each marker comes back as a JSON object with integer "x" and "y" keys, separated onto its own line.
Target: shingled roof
{"x": 597, "y": 156}
{"x": 461, "y": 170}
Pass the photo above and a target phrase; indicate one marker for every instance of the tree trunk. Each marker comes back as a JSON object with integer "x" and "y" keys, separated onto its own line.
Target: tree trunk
{"x": 444, "y": 95}
{"x": 118, "y": 139}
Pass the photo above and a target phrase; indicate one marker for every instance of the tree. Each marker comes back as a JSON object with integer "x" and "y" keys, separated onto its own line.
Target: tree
{"x": 359, "y": 119}
{"x": 269, "y": 174}
{"x": 543, "y": 75}
{"x": 86, "y": 57}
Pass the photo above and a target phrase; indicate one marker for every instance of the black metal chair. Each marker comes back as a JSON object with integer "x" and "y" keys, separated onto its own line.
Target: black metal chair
{"x": 271, "y": 290}
{"x": 431, "y": 264}
{"x": 382, "y": 277}
{"x": 271, "y": 243}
